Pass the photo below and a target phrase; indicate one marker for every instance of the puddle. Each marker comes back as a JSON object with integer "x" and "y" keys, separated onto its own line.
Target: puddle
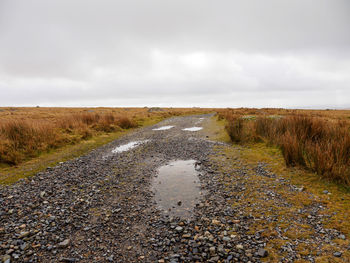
{"x": 128, "y": 146}
{"x": 163, "y": 128}
{"x": 193, "y": 129}
{"x": 199, "y": 121}
{"x": 177, "y": 188}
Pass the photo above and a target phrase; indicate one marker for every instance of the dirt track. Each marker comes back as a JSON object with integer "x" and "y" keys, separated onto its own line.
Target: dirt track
{"x": 101, "y": 207}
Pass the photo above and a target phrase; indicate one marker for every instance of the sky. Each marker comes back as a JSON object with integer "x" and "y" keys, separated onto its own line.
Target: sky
{"x": 175, "y": 53}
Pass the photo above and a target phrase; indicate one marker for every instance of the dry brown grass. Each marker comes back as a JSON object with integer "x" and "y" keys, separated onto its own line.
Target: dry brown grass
{"x": 319, "y": 143}
{"x": 19, "y": 139}
{"x": 27, "y": 132}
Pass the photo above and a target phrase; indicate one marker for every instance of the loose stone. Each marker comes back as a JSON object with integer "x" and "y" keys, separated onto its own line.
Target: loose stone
{"x": 337, "y": 254}
{"x": 65, "y": 243}
{"x": 262, "y": 253}
{"x": 179, "y": 228}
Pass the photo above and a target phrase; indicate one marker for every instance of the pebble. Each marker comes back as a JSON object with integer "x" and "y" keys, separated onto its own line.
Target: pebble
{"x": 262, "y": 252}
{"x": 337, "y": 254}
{"x": 212, "y": 250}
{"x": 24, "y": 246}
{"x": 342, "y": 237}
{"x": 226, "y": 239}
{"x": 23, "y": 234}
{"x": 215, "y": 222}
{"x": 65, "y": 243}
{"x": 239, "y": 246}
{"x": 179, "y": 228}
{"x": 6, "y": 259}
{"x": 110, "y": 258}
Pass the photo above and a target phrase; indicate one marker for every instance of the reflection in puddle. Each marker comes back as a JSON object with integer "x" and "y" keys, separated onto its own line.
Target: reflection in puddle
{"x": 128, "y": 146}
{"x": 177, "y": 188}
{"x": 193, "y": 129}
{"x": 163, "y": 128}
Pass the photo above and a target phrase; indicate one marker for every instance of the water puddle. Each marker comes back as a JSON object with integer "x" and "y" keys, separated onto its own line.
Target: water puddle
{"x": 193, "y": 129}
{"x": 199, "y": 121}
{"x": 128, "y": 146}
{"x": 177, "y": 188}
{"x": 163, "y": 128}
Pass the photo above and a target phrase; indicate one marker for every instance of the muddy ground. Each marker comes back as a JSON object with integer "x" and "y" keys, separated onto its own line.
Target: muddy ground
{"x": 104, "y": 207}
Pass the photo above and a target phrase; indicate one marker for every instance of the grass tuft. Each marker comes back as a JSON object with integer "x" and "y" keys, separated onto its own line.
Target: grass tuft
{"x": 319, "y": 144}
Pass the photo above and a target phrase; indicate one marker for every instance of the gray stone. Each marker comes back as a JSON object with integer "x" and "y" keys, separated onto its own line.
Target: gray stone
{"x": 337, "y": 254}
{"x": 179, "y": 228}
{"x": 226, "y": 239}
{"x": 64, "y": 243}
{"x": 24, "y": 246}
{"x": 262, "y": 253}
{"x": 6, "y": 259}
{"x": 24, "y": 234}
{"x": 342, "y": 237}
{"x": 214, "y": 259}
{"x": 212, "y": 250}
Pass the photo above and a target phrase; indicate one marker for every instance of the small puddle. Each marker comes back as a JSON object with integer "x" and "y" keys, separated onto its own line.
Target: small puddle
{"x": 193, "y": 129}
{"x": 128, "y": 146}
{"x": 163, "y": 128}
{"x": 199, "y": 121}
{"x": 177, "y": 188}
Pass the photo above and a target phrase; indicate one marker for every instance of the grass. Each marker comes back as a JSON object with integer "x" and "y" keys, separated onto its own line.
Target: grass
{"x": 11, "y": 174}
{"x": 21, "y": 140}
{"x": 32, "y": 139}
{"x": 319, "y": 144}
{"x": 247, "y": 156}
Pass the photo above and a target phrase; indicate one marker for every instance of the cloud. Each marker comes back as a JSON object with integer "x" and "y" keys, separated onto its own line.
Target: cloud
{"x": 177, "y": 53}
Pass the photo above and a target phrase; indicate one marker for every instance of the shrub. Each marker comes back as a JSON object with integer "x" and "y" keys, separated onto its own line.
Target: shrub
{"x": 126, "y": 123}
{"x": 24, "y": 138}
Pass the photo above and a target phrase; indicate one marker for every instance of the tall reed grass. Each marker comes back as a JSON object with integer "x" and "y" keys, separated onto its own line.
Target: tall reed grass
{"x": 315, "y": 143}
{"x": 23, "y": 139}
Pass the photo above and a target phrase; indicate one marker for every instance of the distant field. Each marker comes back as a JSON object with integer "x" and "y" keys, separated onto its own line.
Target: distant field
{"x": 318, "y": 140}
{"x": 25, "y": 133}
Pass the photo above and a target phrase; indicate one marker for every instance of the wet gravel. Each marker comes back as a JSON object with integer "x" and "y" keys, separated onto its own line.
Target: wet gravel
{"x": 100, "y": 207}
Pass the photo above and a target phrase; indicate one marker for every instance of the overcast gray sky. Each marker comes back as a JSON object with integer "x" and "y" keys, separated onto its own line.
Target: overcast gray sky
{"x": 224, "y": 53}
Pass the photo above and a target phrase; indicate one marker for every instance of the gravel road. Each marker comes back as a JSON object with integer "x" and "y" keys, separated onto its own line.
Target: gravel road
{"x": 102, "y": 207}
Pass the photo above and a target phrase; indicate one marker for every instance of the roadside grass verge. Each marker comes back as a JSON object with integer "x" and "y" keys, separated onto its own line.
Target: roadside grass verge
{"x": 336, "y": 202}
{"x": 24, "y": 139}
{"x": 318, "y": 144}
